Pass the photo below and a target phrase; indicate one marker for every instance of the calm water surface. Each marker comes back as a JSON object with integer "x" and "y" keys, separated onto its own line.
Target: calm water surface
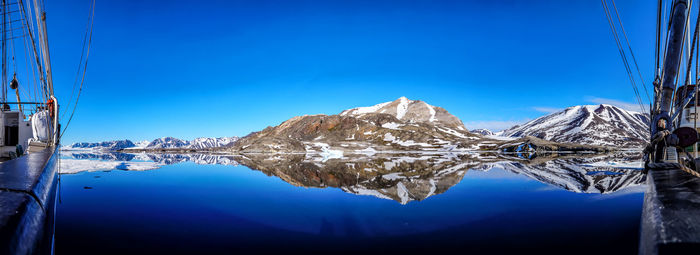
{"x": 377, "y": 205}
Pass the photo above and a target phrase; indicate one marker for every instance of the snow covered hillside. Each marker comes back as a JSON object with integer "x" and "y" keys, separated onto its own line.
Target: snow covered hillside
{"x": 208, "y": 142}
{"x": 588, "y": 124}
{"x": 398, "y": 125}
{"x": 411, "y": 111}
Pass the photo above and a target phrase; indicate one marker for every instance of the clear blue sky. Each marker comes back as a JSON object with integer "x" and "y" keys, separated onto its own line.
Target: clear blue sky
{"x": 222, "y": 68}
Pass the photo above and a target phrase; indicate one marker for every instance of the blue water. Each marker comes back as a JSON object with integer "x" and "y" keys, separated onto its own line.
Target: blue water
{"x": 216, "y": 209}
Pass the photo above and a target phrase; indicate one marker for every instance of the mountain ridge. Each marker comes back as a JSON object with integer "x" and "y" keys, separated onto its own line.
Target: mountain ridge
{"x": 158, "y": 143}
{"x": 603, "y": 125}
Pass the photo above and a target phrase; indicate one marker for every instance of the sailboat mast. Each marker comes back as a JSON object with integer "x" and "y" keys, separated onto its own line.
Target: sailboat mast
{"x": 44, "y": 42}
{"x": 673, "y": 54}
{"x": 4, "y": 50}
{"x": 49, "y": 77}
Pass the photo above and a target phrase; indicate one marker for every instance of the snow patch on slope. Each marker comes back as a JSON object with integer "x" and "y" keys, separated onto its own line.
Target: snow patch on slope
{"x": 402, "y": 108}
{"x": 363, "y": 110}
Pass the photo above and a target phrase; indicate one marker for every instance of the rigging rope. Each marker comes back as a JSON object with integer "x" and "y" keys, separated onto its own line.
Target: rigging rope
{"x": 695, "y": 105}
{"x": 31, "y": 70}
{"x": 12, "y": 45}
{"x": 40, "y": 70}
{"x": 658, "y": 38}
{"x": 624, "y": 33}
{"x": 695, "y": 95}
{"x": 80, "y": 62}
{"x": 82, "y": 80}
{"x": 623, "y": 56}
{"x": 686, "y": 92}
{"x": 692, "y": 51}
{"x": 697, "y": 56}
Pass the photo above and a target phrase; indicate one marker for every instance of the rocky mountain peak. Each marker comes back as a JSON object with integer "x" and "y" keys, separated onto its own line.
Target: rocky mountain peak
{"x": 402, "y": 124}
{"x": 411, "y": 111}
{"x": 210, "y": 142}
{"x": 160, "y": 143}
{"x": 482, "y": 131}
{"x": 588, "y": 124}
{"x": 167, "y": 142}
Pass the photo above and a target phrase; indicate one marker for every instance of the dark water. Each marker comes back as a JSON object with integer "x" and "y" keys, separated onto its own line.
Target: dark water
{"x": 372, "y": 205}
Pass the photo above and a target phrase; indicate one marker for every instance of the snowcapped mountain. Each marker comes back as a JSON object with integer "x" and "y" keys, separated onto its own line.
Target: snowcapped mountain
{"x": 402, "y": 124}
{"x": 160, "y": 143}
{"x": 107, "y": 145}
{"x": 167, "y": 142}
{"x": 603, "y": 124}
{"x": 411, "y": 111}
{"x": 482, "y": 131}
{"x": 198, "y": 143}
{"x": 209, "y": 142}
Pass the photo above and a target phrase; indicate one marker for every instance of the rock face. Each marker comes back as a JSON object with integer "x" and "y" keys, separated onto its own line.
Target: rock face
{"x": 398, "y": 125}
{"x": 482, "y": 131}
{"x": 410, "y": 111}
{"x": 603, "y": 124}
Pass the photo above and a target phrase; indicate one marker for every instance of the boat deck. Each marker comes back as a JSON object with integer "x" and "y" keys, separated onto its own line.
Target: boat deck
{"x": 671, "y": 213}
{"x": 27, "y": 196}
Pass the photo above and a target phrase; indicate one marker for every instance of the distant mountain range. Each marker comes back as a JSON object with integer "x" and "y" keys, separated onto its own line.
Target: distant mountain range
{"x": 108, "y": 145}
{"x": 482, "y": 131}
{"x": 414, "y": 125}
{"x": 160, "y": 143}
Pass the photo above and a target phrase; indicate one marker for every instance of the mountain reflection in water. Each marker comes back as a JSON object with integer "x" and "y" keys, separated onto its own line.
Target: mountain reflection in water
{"x": 412, "y": 177}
